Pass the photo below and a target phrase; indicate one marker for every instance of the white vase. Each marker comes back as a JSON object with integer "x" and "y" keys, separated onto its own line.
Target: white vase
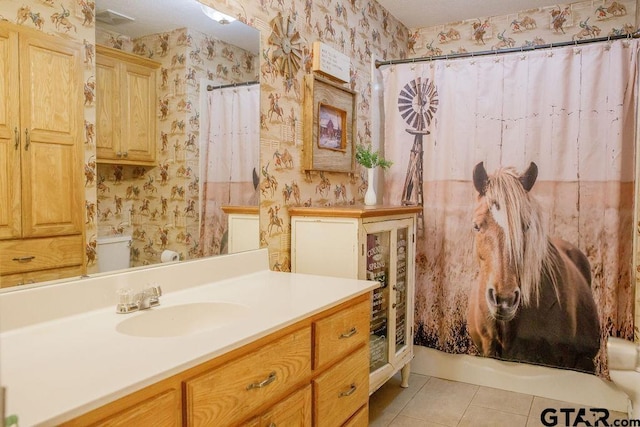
{"x": 370, "y": 197}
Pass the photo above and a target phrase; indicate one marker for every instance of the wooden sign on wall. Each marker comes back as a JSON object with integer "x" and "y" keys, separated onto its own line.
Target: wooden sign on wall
{"x": 330, "y": 63}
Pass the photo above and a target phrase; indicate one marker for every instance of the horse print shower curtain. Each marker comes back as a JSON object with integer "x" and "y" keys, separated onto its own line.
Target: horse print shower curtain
{"x": 524, "y": 163}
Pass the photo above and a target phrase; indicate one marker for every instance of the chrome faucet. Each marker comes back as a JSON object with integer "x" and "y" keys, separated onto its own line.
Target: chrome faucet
{"x": 129, "y": 302}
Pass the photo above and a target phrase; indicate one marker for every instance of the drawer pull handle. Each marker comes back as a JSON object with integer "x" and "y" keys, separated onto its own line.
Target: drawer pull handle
{"x": 271, "y": 378}
{"x": 24, "y": 258}
{"x": 349, "y": 392}
{"x": 349, "y": 334}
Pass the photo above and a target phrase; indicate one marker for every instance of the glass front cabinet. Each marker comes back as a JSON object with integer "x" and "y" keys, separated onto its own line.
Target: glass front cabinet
{"x": 373, "y": 243}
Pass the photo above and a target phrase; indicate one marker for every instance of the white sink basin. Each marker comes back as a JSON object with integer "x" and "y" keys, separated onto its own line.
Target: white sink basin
{"x": 181, "y": 320}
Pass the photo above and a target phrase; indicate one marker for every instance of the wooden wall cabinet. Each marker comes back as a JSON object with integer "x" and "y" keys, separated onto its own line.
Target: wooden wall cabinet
{"x": 372, "y": 243}
{"x": 288, "y": 378}
{"x": 41, "y": 188}
{"x": 126, "y": 105}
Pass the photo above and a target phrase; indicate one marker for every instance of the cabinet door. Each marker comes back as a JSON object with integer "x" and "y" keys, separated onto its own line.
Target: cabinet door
{"x": 162, "y": 410}
{"x": 51, "y": 125}
{"x": 389, "y": 252}
{"x": 378, "y": 262}
{"x": 139, "y": 107}
{"x": 108, "y": 133}
{"x": 401, "y": 284}
{"x": 10, "y": 216}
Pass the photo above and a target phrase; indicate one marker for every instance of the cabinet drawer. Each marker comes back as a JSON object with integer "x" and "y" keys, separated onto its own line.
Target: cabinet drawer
{"x": 20, "y": 256}
{"x": 342, "y": 390}
{"x": 162, "y": 410}
{"x": 360, "y": 419}
{"x": 294, "y": 411}
{"x": 341, "y": 333}
{"x": 225, "y": 395}
{"x": 41, "y": 276}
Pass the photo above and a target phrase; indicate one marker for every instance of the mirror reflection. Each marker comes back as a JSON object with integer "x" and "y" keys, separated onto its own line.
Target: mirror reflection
{"x": 163, "y": 172}
{"x": 208, "y": 140}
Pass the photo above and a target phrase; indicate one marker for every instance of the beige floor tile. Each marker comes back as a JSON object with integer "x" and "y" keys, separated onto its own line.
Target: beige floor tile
{"x": 402, "y": 421}
{"x": 381, "y": 418}
{"x": 477, "y": 416}
{"x": 389, "y": 399}
{"x": 440, "y": 401}
{"x": 502, "y": 400}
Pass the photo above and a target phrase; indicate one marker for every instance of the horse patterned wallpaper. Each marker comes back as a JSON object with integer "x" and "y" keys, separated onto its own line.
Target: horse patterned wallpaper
{"x": 546, "y": 25}
{"x": 361, "y": 29}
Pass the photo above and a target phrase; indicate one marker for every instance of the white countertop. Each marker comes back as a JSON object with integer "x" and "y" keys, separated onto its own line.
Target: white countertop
{"x": 59, "y": 369}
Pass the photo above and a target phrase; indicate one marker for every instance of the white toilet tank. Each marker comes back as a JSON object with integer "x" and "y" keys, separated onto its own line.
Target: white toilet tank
{"x": 113, "y": 253}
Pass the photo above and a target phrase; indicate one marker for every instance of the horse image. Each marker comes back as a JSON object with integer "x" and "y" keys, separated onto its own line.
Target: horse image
{"x": 532, "y": 301}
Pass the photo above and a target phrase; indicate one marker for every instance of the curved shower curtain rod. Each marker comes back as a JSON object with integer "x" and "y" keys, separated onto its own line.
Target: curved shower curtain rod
{"x": 508, "y": 50}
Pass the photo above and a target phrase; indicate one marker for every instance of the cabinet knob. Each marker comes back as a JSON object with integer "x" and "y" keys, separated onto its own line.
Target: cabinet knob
{"x": 119, "y": 154}
{"x": 125, "y": 154}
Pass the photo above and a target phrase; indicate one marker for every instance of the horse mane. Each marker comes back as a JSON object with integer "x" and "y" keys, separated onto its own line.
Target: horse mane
{"x": 526, "y": 240}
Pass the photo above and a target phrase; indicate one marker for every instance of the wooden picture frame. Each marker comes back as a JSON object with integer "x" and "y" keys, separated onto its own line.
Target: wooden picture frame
{"x": 322, "y": 152}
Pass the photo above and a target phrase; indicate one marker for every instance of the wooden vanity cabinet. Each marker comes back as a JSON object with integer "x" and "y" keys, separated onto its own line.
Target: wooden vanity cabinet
{"x": 126, "y": 105}
{"x": 373, "y": 243}
{"x": 41, "y": 125}
{"x": 288, "y": 378}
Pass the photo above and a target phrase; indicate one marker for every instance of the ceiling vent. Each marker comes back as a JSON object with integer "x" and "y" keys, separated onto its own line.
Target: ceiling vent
{"x": 112, "y": 17}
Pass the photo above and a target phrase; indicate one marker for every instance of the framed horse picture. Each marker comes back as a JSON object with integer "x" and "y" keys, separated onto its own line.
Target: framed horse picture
{"x": 329, "y": 120}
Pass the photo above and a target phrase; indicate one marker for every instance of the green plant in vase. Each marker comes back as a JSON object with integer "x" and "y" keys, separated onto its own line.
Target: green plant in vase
{"x": 370, "y": 160}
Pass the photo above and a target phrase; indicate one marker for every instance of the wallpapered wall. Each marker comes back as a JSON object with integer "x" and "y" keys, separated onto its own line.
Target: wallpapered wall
{"x": 556, "y": 23}
{"x": 361, "y": 29}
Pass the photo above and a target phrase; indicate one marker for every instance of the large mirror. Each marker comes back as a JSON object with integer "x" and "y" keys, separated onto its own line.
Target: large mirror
{"x": 155, "y": 209}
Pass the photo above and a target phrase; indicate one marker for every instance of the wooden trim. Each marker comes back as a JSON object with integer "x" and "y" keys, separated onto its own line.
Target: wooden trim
{"x": 354, "y": 211}
{"x": 245, "y": 209}
{"x": 122, "y": 55}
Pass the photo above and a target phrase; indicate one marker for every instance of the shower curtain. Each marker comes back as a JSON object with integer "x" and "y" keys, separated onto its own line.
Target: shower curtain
{"x": 571, "y": 111}
{"x": 231, "y": 157}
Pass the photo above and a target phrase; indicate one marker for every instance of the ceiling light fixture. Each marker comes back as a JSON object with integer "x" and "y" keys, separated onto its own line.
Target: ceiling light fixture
{"x": 217, "y": 16}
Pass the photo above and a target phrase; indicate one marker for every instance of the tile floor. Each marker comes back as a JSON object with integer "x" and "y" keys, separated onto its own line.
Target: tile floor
{"x": 434, "y": 402}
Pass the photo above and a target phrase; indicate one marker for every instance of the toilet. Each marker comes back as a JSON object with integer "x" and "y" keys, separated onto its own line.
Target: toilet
{"x": 624, "y": 370}
{"x": 113, "y": 253}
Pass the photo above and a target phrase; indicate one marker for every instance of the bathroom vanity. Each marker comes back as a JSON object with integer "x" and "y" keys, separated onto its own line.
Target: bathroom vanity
{"x": 265, "y": 347}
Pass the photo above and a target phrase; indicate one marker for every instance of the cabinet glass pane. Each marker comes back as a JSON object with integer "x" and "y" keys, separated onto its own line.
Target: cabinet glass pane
{"x": 401, "y": 289}
{"x": 378, "y": 251}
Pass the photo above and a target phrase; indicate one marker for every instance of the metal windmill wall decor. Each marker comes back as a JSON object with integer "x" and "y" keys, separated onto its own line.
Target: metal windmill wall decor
{"x": 417, "y": 103}
{"x": 288, "y": 54}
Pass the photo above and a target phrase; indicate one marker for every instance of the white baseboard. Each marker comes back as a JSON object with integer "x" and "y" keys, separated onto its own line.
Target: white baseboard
{"x": 557, "y": 384}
